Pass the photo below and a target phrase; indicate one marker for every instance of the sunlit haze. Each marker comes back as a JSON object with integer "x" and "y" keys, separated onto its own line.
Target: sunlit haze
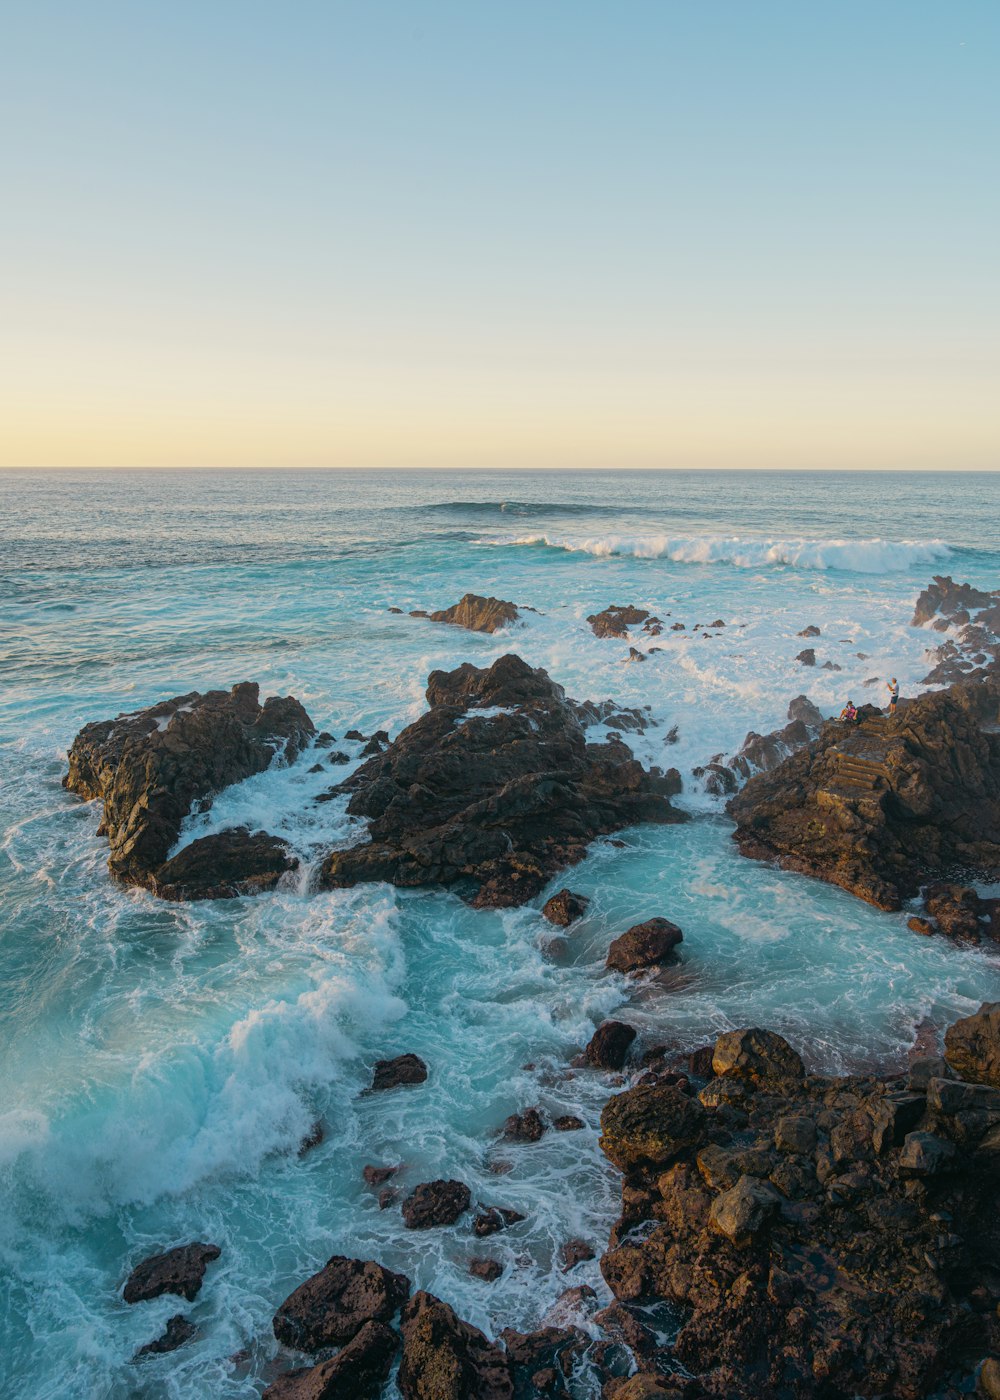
{"x": 654, "y": 234}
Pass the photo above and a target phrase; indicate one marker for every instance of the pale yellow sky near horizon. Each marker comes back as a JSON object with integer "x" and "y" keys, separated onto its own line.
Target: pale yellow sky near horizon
{"x": 505, "y": 237}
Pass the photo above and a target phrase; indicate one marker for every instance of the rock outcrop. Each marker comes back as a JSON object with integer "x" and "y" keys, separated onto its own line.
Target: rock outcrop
{"x": 762, "y": 752}
{"x": 644, "y": 946}
{"x": 971, "y": 618}
{"x": 445, "y": 1358}
{"x": 358, "y": 1371}
{"x": 234, "y": 862}
{"x": 149, "y": 767}
{"x": 331, "y": 1308}
{"x": 885, "y": 806}
{"x": 478, "y": 614}
{"x": 179, "y": 1271}
{"x": 495, "y": 786}
{"x": 819, "y": 1237}
{"x": 616, "y": 620}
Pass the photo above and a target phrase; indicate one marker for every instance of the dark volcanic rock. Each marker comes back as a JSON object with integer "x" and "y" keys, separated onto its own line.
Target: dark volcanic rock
{"x": 179, "y": 1330}
{"x": 150, "y": 766}
{"x": 972, "y": 1045}
{"x": 495, "y": 785}
{"x": 494, "y": 1219}
{"x": 524, "y": 1127}
{"x": 358, "y": 1372}
{"x": 615, "y": 621}
{"x": 946, "y": 598}
{"x": 650, "y": 944}
{"x": 810, "y": 631}
{"x": 609, "y": 1045}
{"x": 478, "y": 614}
{"x": 435, "y": 1203}
{"x": 807, "y": 657}
{"x": 880, "y": 808}
{"x": 378, "y": 1176}
{"x": 757, "y": 1057}
{"x": 404, "y": 1069}
{"x": 575, "y": 1252}
{"x": 832, "y": 1238}
{"x": 564, "y": 908}
{"x": 331, "y": 1307}
{"x": 489, "y": 1270}
{"x": 762, "y": 752}
{"x": 179, "y": 1271}
{"x": 447, "y": 1359}
{"x": 231, "y": 863}
{"x": 568, "y": 1123}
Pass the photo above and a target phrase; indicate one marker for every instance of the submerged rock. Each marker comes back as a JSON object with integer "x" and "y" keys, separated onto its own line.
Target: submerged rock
{"x": 149, "y": 767}
{"x": 646, "y": 945}
{"x": 358, "y": 1372}
{"x": 179, "y": 1329}
{"x": 524, "y": 1127}
{"x": 495, "y": 786}
{"x": 478, "y": 614}
{"x": 404, "y": 1069}
{"x": 878, "y": 807}
{"x": 179, "y": 1271}
{"x": 330, "y": 1308}
{"x": 445, "y": 1358}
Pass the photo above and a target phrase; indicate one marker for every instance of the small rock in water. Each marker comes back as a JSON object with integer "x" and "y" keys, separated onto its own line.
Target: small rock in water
{"x": 178, "y": 1331}
{"x": 524, "y": 1127}
{"x": 179, "y": 1271}
{"x": 489, "y": 1270}
{"x": 404, "y": 1069}
{"x": 568, "y": 1123}
{"x": 494, "y": 1219}
{"x": 564, "y": 908}
{"x": 313, "y": 1138}
{"x": 575, "y": 1252}
{"x": 609, "y": 1045}
{"x": 807, "y": 657}
{"x": 434, "y": 1203}
{"x": 378, "y": 1176}
{"x": 810, "y": 631}
{"x": 650, "y": 944}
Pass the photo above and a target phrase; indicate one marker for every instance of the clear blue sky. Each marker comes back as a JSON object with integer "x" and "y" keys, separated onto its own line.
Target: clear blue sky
{"x": 762, "y": 232}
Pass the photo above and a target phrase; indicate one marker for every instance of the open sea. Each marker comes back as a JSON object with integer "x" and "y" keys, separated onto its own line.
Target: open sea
{"x": 161, "y": 1063}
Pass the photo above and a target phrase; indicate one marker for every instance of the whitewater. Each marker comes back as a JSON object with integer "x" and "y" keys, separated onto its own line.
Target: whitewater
{"x": 162, "y": 1063}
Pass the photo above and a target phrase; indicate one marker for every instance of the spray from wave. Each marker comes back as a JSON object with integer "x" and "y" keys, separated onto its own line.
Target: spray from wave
{"x": 874, "y": 556}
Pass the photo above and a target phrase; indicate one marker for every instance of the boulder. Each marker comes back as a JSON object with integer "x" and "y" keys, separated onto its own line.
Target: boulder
{"x": 568, "y": 1123}
{"x": 972, "y": 1045}
{"x": 807, "y": 657}
{"x": 331, "y": 1308}
{"x": 445, "y": 1358}
{"x": 925, "y": 1154}
{"x": 524, "y": 1127}
{"x": 615, "y": 621}
{"x": 477, "y": 614}
{"x": 179, "y": 1271}
{"x": 757, "y": 1057}
{"x": 575, "y": 1252}
{"x": 649, "y": 1125}
{"x": 810, "y": 631}
{"x": 377, "y": 1176}
{"x": 880, "y": 807}
{"x": 223, "y": 866}
{"x": 609, "y": 1046}
{"x": 149, "y": 767}
{"x": 404, "y": 1069}
{"x": 645, "y": 945}
{"x": 565, "y": 908}
{"x": 489, "y": 1270}
{"x": 744, "y": 1210}
{"x": 178, "y": 1330}
{"x": 435, "y": 1203}
{"x": 488, "y": 1222}
{"x": 358, "y": 1372}
{"x": 495, "y": 787}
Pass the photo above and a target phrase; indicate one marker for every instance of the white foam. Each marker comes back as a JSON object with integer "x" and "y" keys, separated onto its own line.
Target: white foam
{"x": 871, "y": 556}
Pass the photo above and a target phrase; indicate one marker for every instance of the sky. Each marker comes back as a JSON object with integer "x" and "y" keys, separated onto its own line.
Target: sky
{"x": 500, "y": 233}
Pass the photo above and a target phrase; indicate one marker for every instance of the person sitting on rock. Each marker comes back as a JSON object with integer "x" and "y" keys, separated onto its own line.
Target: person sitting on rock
{"x": 849, "y": 713}
{"x": 893, "y": 688}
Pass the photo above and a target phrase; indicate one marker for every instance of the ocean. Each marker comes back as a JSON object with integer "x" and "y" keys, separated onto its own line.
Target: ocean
{"x": 161, "y": 1063}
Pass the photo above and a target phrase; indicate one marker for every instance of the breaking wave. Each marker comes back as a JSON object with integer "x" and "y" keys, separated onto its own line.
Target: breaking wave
{"x": 875, "y": 556}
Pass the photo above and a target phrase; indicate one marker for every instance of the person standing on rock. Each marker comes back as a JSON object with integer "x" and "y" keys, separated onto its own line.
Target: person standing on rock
{"x": 893, "y": 688}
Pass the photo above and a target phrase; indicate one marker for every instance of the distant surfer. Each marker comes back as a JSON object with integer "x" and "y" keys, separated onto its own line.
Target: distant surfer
{"x": 893, "y": 688}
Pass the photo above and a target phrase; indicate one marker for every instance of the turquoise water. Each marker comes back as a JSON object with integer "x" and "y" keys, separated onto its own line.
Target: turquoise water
{"x": 162, "y": 1062}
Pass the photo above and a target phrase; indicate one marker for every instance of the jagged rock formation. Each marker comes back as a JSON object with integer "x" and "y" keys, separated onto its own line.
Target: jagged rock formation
{"x": 616, "y": 620}
{"x": 330, "y": 1308}
{"x": 821, "y": 1237}
{"x": 478, "y": 614}
{"x": 230, "y": 863}
{"x": 760, "y": 753}
{"x": 974, "y": 645}
{"x": 496, "y": 786}
{"x": 358, "y": 1372}
{"x": 149, "y": 767}
{"x": 445, "y": 1358}
{"x": 883, "y": 807}
{"x": 179, "y": 1271}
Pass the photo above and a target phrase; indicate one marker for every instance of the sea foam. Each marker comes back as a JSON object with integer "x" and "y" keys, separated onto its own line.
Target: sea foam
{"x": 873, "y": 556}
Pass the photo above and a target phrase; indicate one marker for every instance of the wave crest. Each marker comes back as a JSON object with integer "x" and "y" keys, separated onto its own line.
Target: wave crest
{"x": 873, "y": 556}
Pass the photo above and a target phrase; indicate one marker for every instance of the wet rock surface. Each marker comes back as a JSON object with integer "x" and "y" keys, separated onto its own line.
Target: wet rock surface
{"x": 477, "y": 614}
{"x": 496, "y": 786}
{"x": 330, "y": 1308}
{"x": 403, "y": 1069}
{"x": 445, "y": 1358}
{"x": 564, "y": 908}
{"x": 818, "y": 1236}
{"x": 358, "y": 1372}
{"x": 972, "y": 1046}
{"x": 434, "y": 1203}
{"x": 150, "y": 766}
{"x": 178, "y": 1331}
{"x": 647, "y": 945}
{"x": 610, "y": 1045}
{"x": 179, "y": 1271}
{"x": 223, "y": 866}
{"x": 616, "y": 620}
{"x": 883, "y": 807}
{"x": 760, "y": 753}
